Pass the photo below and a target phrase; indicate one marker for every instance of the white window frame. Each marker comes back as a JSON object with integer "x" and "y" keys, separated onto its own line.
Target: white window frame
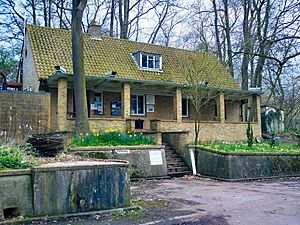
{"x": 187, "y": 108}
{"x": 144, "y": 106}
{"x": 154, "y": 66}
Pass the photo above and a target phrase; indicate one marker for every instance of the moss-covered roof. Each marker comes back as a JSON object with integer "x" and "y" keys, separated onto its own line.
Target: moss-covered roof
{"x": 52, "y": 47}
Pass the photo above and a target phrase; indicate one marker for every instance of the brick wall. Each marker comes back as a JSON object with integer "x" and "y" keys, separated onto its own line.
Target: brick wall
{"x": 23, "y": 113}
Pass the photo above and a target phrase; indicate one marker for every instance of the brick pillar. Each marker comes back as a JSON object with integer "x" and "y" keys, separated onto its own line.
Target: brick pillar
{"x": 62, "y": 103}
{"x": 125, "y": 95}
{"x": 221, "y": 107}
{"x": 177, "y": 105}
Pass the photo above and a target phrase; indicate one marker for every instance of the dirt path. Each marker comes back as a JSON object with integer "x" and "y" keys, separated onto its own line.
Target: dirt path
{"x": 204, "y": 201}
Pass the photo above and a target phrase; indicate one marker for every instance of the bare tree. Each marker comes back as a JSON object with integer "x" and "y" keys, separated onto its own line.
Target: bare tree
{"x": 197, "y": 72}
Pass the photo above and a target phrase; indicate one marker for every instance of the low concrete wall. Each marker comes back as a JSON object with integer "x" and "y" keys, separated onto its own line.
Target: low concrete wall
{"x": 62, "y": 188}
{"x": 144, "y": 161}
{"x": 16, "y": 192}
{"x": 240, "y": 166}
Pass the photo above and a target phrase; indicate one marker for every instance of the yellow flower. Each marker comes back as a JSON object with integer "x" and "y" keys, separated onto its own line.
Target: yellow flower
{"x": 141, "y": 132}
{"x": 134, "y": 135}
{"x": 80, "y": 134}
{"x": 130, "y": 135}
{"x": 119, "y": 135}
{"x": 94, "y": 131}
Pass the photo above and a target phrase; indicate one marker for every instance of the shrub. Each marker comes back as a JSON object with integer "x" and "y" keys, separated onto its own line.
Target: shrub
{"x": 13, "y": 157}
{"x": 111, "y": 137}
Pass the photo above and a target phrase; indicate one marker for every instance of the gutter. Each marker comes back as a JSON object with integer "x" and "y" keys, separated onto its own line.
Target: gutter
{"x": 58, "y": 75}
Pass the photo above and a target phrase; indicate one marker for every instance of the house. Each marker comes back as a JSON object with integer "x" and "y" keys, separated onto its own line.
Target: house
{"x": 133, "y": 85}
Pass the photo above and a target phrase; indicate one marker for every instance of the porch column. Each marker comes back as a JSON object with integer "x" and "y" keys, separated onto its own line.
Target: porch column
{"x": 257, "y": 109}
{"x": 177, "y": 105}
{"x": 125, "y": 95}
{"x": 62, "y": 103}
{"x": 221, "y": 107}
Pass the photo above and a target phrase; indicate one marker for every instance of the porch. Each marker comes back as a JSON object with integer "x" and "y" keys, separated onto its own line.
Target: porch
{"x": 141, "y": 106}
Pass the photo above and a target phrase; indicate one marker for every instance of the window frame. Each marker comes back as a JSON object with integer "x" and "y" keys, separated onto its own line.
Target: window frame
{"x": 187, "y": 108}
{"x": 137, "y": 105}
{"x": 139, "y": 61}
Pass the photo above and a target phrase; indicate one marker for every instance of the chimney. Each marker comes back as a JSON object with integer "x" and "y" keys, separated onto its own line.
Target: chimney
{"x": 95, "y": 31}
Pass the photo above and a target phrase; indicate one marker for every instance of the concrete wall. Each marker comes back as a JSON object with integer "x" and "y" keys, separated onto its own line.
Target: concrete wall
{"x": 62, "y": 189}
{"x": 239, "y": 166}
{"x": 16, "y": 192}
{"x": 23, "y": 113}
{"x": 137, "y": 156}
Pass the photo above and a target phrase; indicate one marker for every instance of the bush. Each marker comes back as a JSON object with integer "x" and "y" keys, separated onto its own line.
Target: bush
{"x": 111, "y": 137}
{"x": 13, "y": 157}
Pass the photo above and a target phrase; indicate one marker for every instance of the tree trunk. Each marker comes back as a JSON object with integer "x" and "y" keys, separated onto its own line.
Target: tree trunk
{"x": 124, "y": 18}
{"x": 247, "y": 44}
{"x": 82, "y": 124}
{"x": 227, "y": 32}
{"x": 45, "y": 13}
{"x": 217, "y": 31}
{"x": 112, "y": 18}
{"x": 33, "y": 11}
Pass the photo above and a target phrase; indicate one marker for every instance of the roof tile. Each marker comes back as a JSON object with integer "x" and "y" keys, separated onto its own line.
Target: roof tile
{"x": 53, "y": 47}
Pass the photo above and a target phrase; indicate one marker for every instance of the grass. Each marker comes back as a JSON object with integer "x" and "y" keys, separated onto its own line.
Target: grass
{"x": 15, "y": 157}
{"x": 258, "y": 147}
{"x": 111, "y": 137}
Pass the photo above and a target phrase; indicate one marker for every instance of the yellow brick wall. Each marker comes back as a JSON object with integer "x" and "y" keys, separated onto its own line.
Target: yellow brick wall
{"x": 214, "y": 130}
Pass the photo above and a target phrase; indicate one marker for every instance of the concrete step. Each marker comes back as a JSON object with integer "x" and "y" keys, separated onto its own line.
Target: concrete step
{"x": 178, "y": 163}
{"x": 178, "y": 168}
{"x": 179, "y": 174}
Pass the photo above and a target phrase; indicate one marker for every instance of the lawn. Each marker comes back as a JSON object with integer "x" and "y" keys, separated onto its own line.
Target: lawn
{"x": 257, "y": 147}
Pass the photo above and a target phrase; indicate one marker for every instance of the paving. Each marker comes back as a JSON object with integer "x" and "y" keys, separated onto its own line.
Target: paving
{"x": 194, "y": 200}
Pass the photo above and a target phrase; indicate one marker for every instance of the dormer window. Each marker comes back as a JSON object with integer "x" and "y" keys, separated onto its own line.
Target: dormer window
{"x": 148, "y": 60}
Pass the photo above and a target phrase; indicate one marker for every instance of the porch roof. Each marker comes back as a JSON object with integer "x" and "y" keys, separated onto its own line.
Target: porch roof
{"x": 95, "y": 80}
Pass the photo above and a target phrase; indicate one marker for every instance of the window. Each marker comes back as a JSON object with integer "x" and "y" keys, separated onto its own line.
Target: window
{"x": 137, "y": 105}
{"x": 148, "y": 60}
{"x": 185, "y": 107}
{"x": 115, "y": 109}
{"x": 98, "y": 106}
